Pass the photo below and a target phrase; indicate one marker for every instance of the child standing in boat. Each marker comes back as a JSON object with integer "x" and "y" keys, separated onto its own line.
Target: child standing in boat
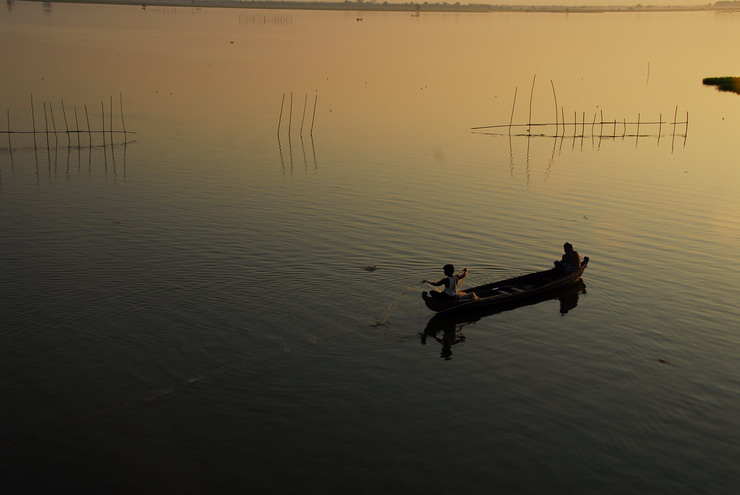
{"x": 450, "y": 283}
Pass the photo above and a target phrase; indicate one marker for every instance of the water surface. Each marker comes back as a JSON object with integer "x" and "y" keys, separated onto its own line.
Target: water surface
{"x": 189, "y": 309}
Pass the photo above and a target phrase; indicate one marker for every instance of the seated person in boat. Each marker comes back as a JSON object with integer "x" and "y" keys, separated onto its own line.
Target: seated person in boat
{"x": 571, "y": 260}
{"x": 450, "y": 283}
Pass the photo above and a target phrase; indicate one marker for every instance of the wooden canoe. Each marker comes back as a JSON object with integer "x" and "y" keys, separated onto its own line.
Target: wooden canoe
{"x": 507, "y": 291}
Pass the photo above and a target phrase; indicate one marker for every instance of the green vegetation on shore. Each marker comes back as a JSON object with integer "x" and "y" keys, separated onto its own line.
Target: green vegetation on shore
{"x": 730, "y": 84}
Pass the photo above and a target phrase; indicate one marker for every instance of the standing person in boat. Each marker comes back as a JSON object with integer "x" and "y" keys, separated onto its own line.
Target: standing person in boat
{"x": 450, "y": 283}
{"x": 571, "y": 260}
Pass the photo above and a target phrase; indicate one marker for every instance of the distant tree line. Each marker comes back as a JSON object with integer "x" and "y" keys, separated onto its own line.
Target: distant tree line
{"x": 416, "y": 7}
{"x": 727, "y": 4}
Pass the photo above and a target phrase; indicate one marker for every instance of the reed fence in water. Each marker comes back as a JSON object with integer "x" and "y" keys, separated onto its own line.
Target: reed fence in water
{"x": 78, "y": 129}
{"x": 596, "y": 127}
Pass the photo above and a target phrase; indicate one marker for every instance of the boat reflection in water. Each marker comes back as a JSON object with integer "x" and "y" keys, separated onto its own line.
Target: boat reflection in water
{"x": 446, "y": 328}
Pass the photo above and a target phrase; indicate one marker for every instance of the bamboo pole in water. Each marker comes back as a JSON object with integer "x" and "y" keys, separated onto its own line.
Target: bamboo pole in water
{"x": 531, "y": 94}
{"x": 593, "y": 124}
{"x": 102, "y": 119}
{"x": 687, "y": 124}
{"x": 111, "y": 119}
{"x": 290, "y": 115}
{"x": 33, "y": 120}
{"x": 562, "y": 114}
{"x": 46, "y": 122}
{"x": 575, "y": 123}
{"x": 675, "y": 115}
{"x": 686, "y": 129}
{"x": 556, "y": 106}
{"x": 511, "y": 119}
{"x": 280, "y": 120}
{"x": 77, "y": 127}
{"x": 54, "y": 123}
{"x": 583, "y": 124}
{"x": 89, "y": 132}
{"x": 673, "y": 136}
{"x": 123, "y": 122}
{"x": 314, "y": 112}
{"x": 66, "y": 125}
{"x": 303, "y": 119}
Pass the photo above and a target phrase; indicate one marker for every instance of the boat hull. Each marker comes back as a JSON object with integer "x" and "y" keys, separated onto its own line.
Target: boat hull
{"x": 507, "y": 291}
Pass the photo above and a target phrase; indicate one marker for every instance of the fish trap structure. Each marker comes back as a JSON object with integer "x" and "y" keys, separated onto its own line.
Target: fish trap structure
{"x": 596, "y": 127}
{"x": 290, "y": 130}
{"x": 290, "y": 114}
{"x": 79, "y": 132}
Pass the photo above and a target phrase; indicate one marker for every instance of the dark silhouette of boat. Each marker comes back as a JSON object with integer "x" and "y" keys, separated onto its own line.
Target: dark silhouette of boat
{"x": 509, "y": 291}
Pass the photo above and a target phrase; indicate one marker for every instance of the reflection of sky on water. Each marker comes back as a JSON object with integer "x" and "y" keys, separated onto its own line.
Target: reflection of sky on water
{"x": 225, "y": 266}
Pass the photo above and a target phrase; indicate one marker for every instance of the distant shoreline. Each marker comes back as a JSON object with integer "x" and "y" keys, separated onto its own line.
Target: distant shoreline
{"x": 411, "y": 7}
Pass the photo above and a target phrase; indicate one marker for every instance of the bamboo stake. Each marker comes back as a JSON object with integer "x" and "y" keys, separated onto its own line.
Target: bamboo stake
{"x": 89, "y": 133}
{"x": 314, "y": 112}
{"x": 303, "y": 119}
{"x": 673, "y": 137}
{"x": 562, "y": 114}
{"x": 123, "y": 122}
{"x": 648, "y": 75}
{"x": 77, "y": 126}
{"x": 111, "y": 119}
{"x": 583, "y": 128}
{"x": 102, "y": 118}
{"x": 33, "y": 120}
{"x": 624, "y": 132}
{"x": 65, "y": 121}
{"x": 638, "y": 124}
{"x": 531, "y": 94}
{"x": 593, "y": 124}
{"x": 280, "y": 120}
{"x": 614, "y": 130}
{"x": 556, "y": 107}
{"x": 46, "y": 122}
{"x": 674, "y": 120}
{"x": 511, "y": 119}
{"x": 290, "y": 115}
{"x": 660, "y": 126}
{"x": 54, "y": 124}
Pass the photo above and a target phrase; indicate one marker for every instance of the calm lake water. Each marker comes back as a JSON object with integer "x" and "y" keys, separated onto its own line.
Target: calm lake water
{"x": 227, "y": 298}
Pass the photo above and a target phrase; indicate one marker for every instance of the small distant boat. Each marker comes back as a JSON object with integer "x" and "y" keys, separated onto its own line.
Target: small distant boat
{"x": 507, "y": 291}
